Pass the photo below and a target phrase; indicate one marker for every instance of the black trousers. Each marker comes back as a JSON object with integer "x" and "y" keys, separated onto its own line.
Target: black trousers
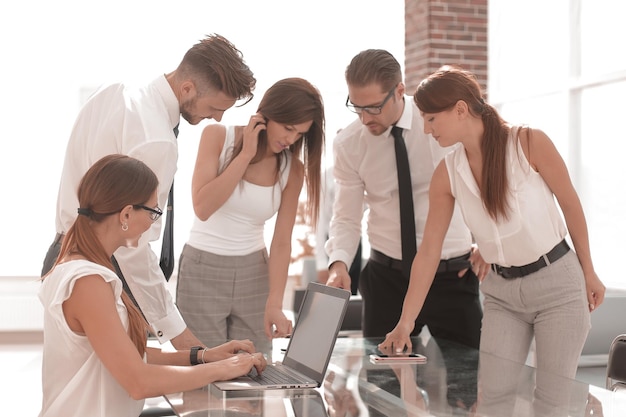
{"x": 452, "y": 311}
{"x": 452, "y": 308}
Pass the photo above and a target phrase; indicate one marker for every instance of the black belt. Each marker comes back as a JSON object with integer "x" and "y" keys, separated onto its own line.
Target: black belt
{"x": 445, "y": 265}
{"x": 520, "y": 271}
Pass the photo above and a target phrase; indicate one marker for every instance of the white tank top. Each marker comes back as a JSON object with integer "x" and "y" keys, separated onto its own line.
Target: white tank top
{"x": 237, "y": 228}
{"x": 534, "y": 225}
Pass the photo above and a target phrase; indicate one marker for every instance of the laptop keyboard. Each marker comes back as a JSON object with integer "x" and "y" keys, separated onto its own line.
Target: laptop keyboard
{"x": 273, "y": 375}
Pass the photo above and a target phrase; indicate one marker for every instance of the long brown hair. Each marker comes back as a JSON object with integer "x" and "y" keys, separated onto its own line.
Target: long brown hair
{"x": 440, "y": 92}
{"x": 111, "y": 184}
{"x": 292, "y": 101}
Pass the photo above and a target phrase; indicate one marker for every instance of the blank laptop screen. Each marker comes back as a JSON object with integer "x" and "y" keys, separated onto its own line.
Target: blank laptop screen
{"x": 314, "y": 335}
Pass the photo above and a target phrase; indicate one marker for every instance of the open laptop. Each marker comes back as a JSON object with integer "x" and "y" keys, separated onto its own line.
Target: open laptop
{"x": 310, "y": 345}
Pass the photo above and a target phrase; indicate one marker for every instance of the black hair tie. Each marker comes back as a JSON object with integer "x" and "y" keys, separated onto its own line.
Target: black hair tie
{"x": 85, "y": 212}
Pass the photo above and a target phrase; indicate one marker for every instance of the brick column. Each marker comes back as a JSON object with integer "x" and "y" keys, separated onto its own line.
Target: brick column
{"x": 439, "y": 32}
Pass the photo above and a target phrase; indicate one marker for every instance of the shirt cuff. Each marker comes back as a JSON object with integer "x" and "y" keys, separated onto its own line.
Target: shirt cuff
{"x": 340, "y": 255}
{"x": 169, "y": 326}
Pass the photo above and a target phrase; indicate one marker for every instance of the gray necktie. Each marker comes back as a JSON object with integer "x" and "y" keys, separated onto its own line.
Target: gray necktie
{"x": 167, "y": 249}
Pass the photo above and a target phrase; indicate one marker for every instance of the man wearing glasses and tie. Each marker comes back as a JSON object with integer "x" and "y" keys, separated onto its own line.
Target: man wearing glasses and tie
{"x": 371, "y": 165}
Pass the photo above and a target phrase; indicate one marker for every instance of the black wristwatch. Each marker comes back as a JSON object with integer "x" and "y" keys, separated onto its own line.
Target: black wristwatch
{"x": 193, "y": 355}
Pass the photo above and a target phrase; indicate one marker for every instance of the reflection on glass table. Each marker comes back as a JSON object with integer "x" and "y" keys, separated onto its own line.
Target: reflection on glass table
{"x": 460, "y": 381}
{"x": 455, "y": 381}
{"x": 213, "y": 402}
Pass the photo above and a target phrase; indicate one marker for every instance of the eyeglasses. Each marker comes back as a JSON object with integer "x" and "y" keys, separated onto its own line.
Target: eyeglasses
{"x": 370, "y": 109}
{"x": 155, "y": 213}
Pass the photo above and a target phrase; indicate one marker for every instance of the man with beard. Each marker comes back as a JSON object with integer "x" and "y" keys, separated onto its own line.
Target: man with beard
{"x": 142, "y": 122}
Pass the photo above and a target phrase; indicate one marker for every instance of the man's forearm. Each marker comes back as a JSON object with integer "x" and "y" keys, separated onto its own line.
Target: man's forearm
{"x": 186, "y": 340}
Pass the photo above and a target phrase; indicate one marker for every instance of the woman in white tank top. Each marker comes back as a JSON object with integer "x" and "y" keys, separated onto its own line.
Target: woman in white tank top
{"x": 228, "y": 287}
{"x": 505, "y": 180}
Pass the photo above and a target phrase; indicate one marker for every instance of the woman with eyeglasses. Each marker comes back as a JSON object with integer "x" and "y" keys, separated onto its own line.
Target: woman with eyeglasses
{"x": 229, "y": 287}
{"x": 95, "y": 358}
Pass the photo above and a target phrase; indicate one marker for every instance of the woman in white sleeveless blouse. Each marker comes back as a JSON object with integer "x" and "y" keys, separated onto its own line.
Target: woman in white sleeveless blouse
{"x": 506, "y": 180}
{"x": 95, "y": 359}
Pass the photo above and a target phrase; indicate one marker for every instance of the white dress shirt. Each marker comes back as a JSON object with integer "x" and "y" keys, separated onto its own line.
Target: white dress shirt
{"x": 327, "y": 196}
{"x": 138, "y": 122}
{"x": 365, "y": 170}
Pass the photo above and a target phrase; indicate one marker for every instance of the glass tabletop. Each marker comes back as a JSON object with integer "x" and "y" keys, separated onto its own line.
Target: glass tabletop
{"x": 455, "y": 381}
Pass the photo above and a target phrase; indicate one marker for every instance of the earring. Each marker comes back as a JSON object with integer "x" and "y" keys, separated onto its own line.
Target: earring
{"x": 124, "y": 226}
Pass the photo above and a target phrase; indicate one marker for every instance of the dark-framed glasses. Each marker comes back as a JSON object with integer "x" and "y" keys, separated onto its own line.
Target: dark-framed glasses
{"x": 155, "y": 213}
{"x": 370, "y": 109}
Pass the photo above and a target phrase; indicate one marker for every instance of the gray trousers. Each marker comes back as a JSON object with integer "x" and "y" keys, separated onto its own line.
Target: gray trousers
{"x": 551, "y": 306}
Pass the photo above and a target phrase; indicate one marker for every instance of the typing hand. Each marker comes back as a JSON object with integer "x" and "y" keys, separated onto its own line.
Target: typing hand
{"x": 241, "y": 364}
{"x": 228, "y": 350}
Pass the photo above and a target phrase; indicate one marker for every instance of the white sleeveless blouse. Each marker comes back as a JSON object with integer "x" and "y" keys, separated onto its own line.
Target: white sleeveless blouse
{"x": 75, "y": 381}
{"x": 534, "y": 225}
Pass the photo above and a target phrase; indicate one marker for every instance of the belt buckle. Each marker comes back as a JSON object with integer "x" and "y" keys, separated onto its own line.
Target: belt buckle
{"x": 506, "y": 274}
{"x": 501, "y": 271}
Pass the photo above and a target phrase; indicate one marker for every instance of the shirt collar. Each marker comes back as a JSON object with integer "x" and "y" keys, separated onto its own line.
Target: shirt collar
{"x": 406, "y": 118}
{"x": 169, "y": 98}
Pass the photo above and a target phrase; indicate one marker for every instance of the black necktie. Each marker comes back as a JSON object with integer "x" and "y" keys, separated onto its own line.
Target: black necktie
{"x": 405, "y": 191}
{"x": 167, "y": 249}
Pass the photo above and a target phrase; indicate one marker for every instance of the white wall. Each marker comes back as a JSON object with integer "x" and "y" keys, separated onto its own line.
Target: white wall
{"x": 556, "y": 66}
{"x": 54, "y": 51}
